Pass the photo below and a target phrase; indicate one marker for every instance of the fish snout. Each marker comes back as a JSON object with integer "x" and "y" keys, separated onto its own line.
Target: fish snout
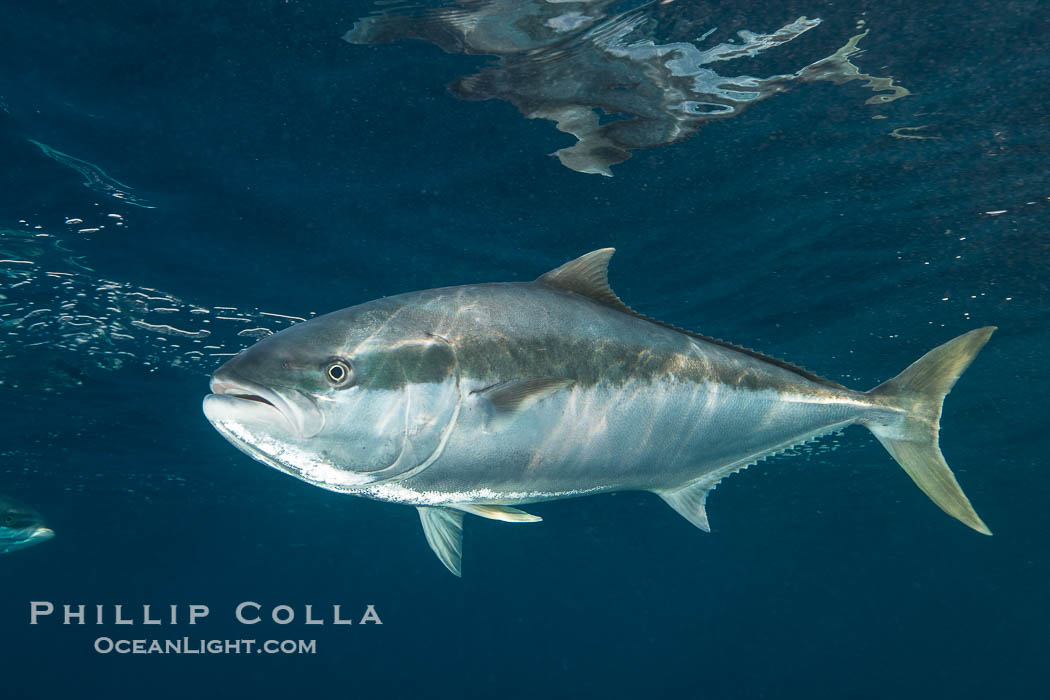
{"x": 42, "y": 533}
{"x": 236, "y": 399}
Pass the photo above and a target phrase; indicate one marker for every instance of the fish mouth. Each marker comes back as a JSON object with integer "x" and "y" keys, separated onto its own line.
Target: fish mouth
{"x": 243, "y": 390}
{"x": 238, "y": 400}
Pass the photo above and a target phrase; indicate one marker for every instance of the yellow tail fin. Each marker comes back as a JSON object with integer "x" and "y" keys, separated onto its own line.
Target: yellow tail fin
{"x": 919, "y": 392}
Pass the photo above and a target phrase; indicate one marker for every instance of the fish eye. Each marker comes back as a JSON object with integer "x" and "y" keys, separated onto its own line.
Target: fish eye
{"x": 338, "y": 373}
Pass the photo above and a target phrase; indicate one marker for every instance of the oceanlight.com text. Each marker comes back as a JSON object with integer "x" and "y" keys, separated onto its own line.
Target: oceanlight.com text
{"x": 185, "y": 645}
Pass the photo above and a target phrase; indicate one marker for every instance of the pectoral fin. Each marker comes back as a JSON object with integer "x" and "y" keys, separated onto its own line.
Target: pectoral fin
{"x": 504, "y": 513}
{"x": 444, "y": 530}
{"x": 510, "y": 399}
{"x": 690, "y": 502}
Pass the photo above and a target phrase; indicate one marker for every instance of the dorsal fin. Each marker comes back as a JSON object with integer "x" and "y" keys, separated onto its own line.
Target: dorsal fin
{"x": 588, "y": 276}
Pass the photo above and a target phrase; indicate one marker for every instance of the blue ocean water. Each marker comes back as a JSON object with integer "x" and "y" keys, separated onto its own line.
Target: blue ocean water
{"x": 182, "y": 178}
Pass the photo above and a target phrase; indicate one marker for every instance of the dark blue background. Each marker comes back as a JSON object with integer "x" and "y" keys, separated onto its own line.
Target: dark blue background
{"x": 293, "y": 172}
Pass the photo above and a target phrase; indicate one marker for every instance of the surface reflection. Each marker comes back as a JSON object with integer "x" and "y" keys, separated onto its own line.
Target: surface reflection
{"x": 605, "y": 77}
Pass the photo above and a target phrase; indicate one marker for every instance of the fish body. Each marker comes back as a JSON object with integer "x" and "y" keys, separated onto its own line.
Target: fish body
{"x": 480, "y": 398}
{"x": 20, "y": 527}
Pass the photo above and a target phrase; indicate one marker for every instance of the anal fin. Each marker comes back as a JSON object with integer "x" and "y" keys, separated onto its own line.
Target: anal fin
{"x": 443, "y": 528}
{"x": 690, "y": 502}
